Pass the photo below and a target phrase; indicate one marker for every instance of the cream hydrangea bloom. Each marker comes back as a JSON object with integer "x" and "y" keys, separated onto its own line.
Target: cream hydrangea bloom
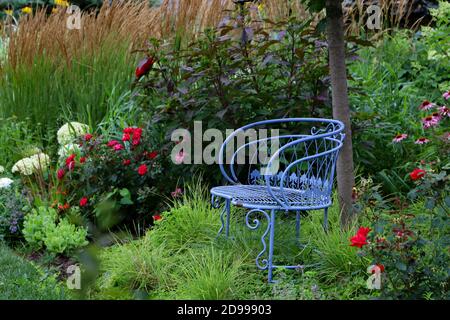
{"x": 70, "y": 131}
{"x": 30, "y": 165}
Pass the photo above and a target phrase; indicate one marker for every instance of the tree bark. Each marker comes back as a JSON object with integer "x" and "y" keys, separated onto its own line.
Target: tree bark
{"x": 341, "y": 110}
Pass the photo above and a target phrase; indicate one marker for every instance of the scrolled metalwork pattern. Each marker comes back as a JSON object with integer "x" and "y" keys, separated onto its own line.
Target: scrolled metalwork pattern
{"x": 262, "y": 264}
{"x": 215, "y": 202}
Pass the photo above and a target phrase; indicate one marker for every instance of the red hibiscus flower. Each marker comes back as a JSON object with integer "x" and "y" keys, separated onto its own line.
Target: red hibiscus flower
{"x": 157, "y": 217}
{"x": 126, "y": 162}
{"x": 152, "y": 155}
{"x": 128, "y": 130}
{"x": 88, "y": 137}
{"x": 144, "y": 67}
{"x": 417, "y": 174}
{"x": 142, "y": 170}
{"x": 60, "y": 174}
{"x": 83, "y": 202}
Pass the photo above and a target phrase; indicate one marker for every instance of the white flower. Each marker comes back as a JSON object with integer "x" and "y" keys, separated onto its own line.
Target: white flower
{"x": 2, "y": 169}
{"x": 28, "y": 166}
{"x": 5, "y": 183}
{"x": 68, "y": 149}
{"x": 70, "y": 131}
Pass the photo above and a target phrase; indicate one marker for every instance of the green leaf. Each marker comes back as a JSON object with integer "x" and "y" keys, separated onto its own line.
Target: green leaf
{"x": 430, "y": 204}
{"x": 447, "y": 201}
{"x": 400, "y": 266}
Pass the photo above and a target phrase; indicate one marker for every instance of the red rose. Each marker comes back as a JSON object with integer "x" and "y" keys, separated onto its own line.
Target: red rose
{"x": 363, "y": 231}
{"x": 128, "y": 130}
{"x": 417, "y": 174}
{"x": 144, "y": 67}
{"x": 126, "y": 162}
{"x": 82, "y": 159}
{"x": 136, "y": 141}
{"x": 61, "y": 173}
{"x": 360, "y": 239}
{"x": 112, "y": 143}
{"x": 83, "y": 202}
{"x": 70, "y": 159}
{"x": 142, "y": 170}
{"x": 157, "y": 217}
{"x": 126, "y": 137}
{"x": 88, "y": 137}
{"x": 118, "y": 147}
{"x": 152, "y": 155}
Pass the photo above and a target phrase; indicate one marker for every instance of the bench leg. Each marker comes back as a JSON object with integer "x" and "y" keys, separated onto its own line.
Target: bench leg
{"x": 228, "y": 210}
{"x": 297, "y": 226}
{"x": 271, "y": 243}
{"x": 225, "y": 224}
{"x": 325, "y": 220}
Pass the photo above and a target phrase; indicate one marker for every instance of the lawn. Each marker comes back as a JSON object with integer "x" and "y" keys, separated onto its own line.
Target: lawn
{"x": 20, "y": 279}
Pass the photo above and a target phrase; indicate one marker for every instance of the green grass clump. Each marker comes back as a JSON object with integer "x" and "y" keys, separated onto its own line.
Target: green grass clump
{"x": 181, "y": 258}
{"x": 22, "y": 280}
{"x": 46, "y": 92}
{"x": 191, "y": 221}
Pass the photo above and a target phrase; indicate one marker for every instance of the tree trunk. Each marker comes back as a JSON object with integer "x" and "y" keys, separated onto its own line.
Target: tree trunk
{"x": 341, "y": 110}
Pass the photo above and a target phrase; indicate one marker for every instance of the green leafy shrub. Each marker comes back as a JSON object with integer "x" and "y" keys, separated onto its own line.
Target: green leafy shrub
{"x": 234, "y": 74}
{"x": 390, "y": 81}
{"x": 411, "y": 247}
{"x": 409, "y": 244}
{"x": 42, "y": 228}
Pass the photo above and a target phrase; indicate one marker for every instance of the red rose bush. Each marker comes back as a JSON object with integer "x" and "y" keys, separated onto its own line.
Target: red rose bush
{"x": 113, "y": 176}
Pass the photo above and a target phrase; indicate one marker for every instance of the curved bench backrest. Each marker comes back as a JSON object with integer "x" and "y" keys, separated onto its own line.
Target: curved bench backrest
{"x": 297, "y": 153}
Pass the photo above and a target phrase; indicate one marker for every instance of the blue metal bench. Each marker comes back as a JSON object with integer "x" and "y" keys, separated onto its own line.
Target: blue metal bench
{"x": 295, "y": 173}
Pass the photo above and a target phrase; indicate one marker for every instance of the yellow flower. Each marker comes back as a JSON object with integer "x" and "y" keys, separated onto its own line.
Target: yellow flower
{"x": 261, "y": 7}
{"x": 62, "y": 3}
{"x": 9, "y": 12}
{"x": 27, "y": 10}
{"x": 54, "y": 10}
